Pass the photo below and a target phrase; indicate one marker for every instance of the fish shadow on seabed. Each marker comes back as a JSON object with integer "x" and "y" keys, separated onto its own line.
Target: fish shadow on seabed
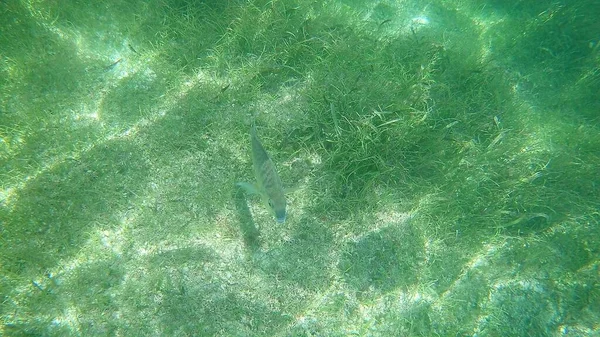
{"x": 247, "y": 225}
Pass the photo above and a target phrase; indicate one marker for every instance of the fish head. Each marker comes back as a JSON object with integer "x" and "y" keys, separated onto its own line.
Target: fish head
{"x": 277, "y": 205}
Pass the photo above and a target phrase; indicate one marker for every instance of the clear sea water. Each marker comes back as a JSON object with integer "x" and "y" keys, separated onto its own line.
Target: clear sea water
{"x": 441, "y": 162}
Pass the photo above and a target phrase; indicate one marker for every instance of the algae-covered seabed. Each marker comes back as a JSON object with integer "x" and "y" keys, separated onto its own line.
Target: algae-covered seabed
{"x": 442, "y": 159}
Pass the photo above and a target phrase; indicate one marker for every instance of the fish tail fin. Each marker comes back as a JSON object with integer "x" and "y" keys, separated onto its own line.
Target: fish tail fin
{"x": 253, "y": 129}
{"x": 253, "y": 126}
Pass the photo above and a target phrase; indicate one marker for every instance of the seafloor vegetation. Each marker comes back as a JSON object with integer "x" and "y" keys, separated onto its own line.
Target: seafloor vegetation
{"x": 442, "y": 161}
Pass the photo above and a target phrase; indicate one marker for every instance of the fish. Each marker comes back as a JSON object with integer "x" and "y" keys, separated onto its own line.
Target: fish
{"x": 268, "y": 184}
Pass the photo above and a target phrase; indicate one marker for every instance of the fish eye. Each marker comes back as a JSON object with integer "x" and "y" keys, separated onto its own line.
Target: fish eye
{"x": 270, "y": 203}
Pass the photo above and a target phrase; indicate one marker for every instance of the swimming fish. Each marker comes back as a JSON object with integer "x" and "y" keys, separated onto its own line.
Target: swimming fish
{"x": 268, "y": 184}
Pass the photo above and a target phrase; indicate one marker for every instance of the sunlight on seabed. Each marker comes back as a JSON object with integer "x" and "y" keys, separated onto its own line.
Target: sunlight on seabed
{"x": 127, "y": 66}
{"x": 91, "y": 112}
{"x": 526, "y": 147}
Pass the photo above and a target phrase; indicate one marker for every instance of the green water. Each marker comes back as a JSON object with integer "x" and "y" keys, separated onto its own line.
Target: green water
{"x": 442, "y": 161}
